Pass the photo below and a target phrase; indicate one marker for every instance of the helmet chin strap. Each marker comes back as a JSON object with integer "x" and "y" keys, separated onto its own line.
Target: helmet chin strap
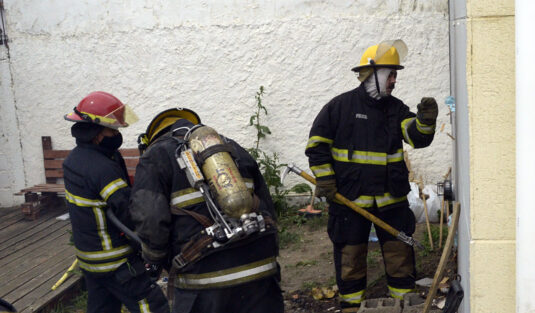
{"x": 372, "y": 62}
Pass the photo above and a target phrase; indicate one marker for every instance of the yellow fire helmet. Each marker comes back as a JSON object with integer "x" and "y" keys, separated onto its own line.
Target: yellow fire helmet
{"x": 386, "y": 54}
{"x": 162, "y": 121}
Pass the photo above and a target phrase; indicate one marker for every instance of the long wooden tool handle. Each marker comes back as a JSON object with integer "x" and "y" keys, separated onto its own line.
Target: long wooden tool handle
{"x": 356, "y": 208}
{"x": 443, "y": 259}
{"x": 427, "y": 223}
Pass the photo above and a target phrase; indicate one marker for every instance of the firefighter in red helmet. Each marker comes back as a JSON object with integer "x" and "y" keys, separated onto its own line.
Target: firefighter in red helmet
{"x": 96, "y": 180}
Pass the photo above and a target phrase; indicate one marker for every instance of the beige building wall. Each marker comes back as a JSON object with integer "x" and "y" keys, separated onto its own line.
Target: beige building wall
{"x": 491, "y": 108}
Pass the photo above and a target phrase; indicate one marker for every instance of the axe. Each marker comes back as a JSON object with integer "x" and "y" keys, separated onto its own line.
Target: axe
{"x": 401, "y": 236}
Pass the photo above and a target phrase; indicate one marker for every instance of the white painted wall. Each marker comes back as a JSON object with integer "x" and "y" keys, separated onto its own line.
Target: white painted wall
{"x": 11, "y": 167}
{"x": 211, "y": 56}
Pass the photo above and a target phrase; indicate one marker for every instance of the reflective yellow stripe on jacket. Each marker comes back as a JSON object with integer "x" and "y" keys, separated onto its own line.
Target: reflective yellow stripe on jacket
{"x": 105, "y": 254}
{"x": 83, "y": 202}
{"x": 112, "y": 187}
{"x": 316, "y": 140}
{"x": 405, "y": 124}
{"x": 186, "y": 197}
{"x": 425, "y": 129}
{"x": 322, "y": 170}
{"x": 101, "y": 267}
{"x": 228, "y": 277}
{"x": 367, "y": 157}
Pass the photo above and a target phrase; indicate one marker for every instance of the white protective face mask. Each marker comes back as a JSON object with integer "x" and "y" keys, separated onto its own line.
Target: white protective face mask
{"x": 371, "y": 87}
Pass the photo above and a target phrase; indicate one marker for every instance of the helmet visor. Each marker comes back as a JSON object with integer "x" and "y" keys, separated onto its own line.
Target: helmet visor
{"x": 385, "y": 46}
{"x": 123, "y": 116}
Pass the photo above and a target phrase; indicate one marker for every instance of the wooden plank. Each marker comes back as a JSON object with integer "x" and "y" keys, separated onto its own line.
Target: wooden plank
{"x": 13, "y": 229}
{"x": 31, "y": 273}
{"x": 44, "y": 188}
{"x": 49, "y": 297}
{"x": 20, "y": 266}
{"x": 43, "y": 295}
{"x": 53, "y": 164}
{"x": 56, "y": 154}
{"x": 443, "y": 258}
{"x": 28, "y": 231}
{"x": 11, "y": 218}
{"x": 39, "y": 285}
{"x": 8, "y": 211}
{"x": 43, "y": 239}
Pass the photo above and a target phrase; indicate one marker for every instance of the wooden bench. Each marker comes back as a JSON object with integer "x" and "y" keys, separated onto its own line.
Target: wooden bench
{"x": 43, "y": 195}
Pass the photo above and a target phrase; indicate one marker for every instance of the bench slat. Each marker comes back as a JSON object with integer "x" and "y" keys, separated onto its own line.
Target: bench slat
{"x": 54, "y": 173}
{"x": 56, "y": 154}
{"x": 53, "y": 164}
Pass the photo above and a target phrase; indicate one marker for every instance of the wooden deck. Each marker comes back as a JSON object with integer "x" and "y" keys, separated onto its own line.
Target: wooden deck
{"x": 33, "y": 257}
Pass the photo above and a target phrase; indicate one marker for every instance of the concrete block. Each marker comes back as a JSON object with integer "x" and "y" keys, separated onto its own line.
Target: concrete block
{"x": 381, "y": 305}
{"x": 414, "y": 303}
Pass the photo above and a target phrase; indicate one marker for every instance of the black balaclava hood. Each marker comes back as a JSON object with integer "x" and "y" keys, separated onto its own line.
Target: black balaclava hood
{"x": 85, "y": 132}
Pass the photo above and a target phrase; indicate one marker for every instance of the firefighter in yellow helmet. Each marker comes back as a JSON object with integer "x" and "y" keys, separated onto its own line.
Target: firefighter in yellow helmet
{"x": 355, "y": 148}
{"x": 218, "y": 260}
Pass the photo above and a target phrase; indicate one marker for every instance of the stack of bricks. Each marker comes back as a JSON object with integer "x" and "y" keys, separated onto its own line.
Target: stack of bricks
{"x": 412, "y": 303}
{"x": 31, "y": 207}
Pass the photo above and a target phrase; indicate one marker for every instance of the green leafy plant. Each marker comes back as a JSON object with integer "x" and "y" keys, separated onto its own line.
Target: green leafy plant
{"x": 269, "y": 163}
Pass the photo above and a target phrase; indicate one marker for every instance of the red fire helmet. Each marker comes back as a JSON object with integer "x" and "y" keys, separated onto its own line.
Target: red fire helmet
{"x": 104, "y": 109}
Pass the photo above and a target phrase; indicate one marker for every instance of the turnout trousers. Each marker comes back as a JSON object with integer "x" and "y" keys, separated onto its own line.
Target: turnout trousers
{"x": 129, "y": 285}
{"x": 349, "y": 233}
{"x": 261, "y": 296}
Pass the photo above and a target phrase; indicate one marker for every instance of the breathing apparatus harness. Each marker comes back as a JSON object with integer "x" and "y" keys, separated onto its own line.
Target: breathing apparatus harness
{"x": 206, "y": 159}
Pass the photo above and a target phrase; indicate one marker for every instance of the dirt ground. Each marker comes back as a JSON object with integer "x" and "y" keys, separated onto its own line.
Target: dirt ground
{"x": 307, "y": 263}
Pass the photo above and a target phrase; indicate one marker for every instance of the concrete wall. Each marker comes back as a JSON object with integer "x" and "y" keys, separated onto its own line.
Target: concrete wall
{"x": 491, "y": 107}
{"x": 211, "y": 56}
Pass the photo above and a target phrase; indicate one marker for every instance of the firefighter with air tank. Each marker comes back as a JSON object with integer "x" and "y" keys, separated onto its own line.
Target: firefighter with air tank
{"x": 203, "y": 211}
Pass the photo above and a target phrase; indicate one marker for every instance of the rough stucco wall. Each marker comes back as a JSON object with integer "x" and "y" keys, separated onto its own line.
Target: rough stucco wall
{"x": 212, "y": 56}
{"x": 491, "y": 89}
{"x": 11, "y": 168}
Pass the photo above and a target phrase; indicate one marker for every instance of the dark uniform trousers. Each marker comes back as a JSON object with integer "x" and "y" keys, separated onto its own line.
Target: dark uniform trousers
{"x": 349, "y": 232}
{"x": 261, "y": 296}
{"x": 130, "y": 285}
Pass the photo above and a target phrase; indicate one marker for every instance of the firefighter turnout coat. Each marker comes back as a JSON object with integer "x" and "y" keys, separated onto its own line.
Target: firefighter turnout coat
{"x": 164, "y": 206}
{"x": 358, "y": 141}
{"x": 96, "y": 180}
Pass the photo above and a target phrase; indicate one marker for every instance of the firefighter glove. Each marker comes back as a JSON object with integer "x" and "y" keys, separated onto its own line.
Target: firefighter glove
{"x": 427, "y": 111}
{"x": 154, "y": 271}
{"x": 326, "y": 188}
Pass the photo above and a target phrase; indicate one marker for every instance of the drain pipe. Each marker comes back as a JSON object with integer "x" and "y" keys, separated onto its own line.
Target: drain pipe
{"x": 525, "y": 149}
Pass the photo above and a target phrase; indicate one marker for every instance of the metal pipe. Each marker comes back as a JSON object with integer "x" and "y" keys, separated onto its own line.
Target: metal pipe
{"x": 525, "y": 148}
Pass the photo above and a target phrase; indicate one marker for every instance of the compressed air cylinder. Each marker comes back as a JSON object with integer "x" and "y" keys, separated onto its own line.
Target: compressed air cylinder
{"x": 225, "y": 181}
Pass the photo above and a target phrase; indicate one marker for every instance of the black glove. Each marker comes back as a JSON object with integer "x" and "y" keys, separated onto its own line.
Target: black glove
{"x": 326, "y": 188}
{"x": 427, "y": 111}
{"x": 154, "y": 271}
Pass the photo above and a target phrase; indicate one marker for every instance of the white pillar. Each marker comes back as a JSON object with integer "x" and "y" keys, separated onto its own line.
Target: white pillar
{"x": 525, "y": 151}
